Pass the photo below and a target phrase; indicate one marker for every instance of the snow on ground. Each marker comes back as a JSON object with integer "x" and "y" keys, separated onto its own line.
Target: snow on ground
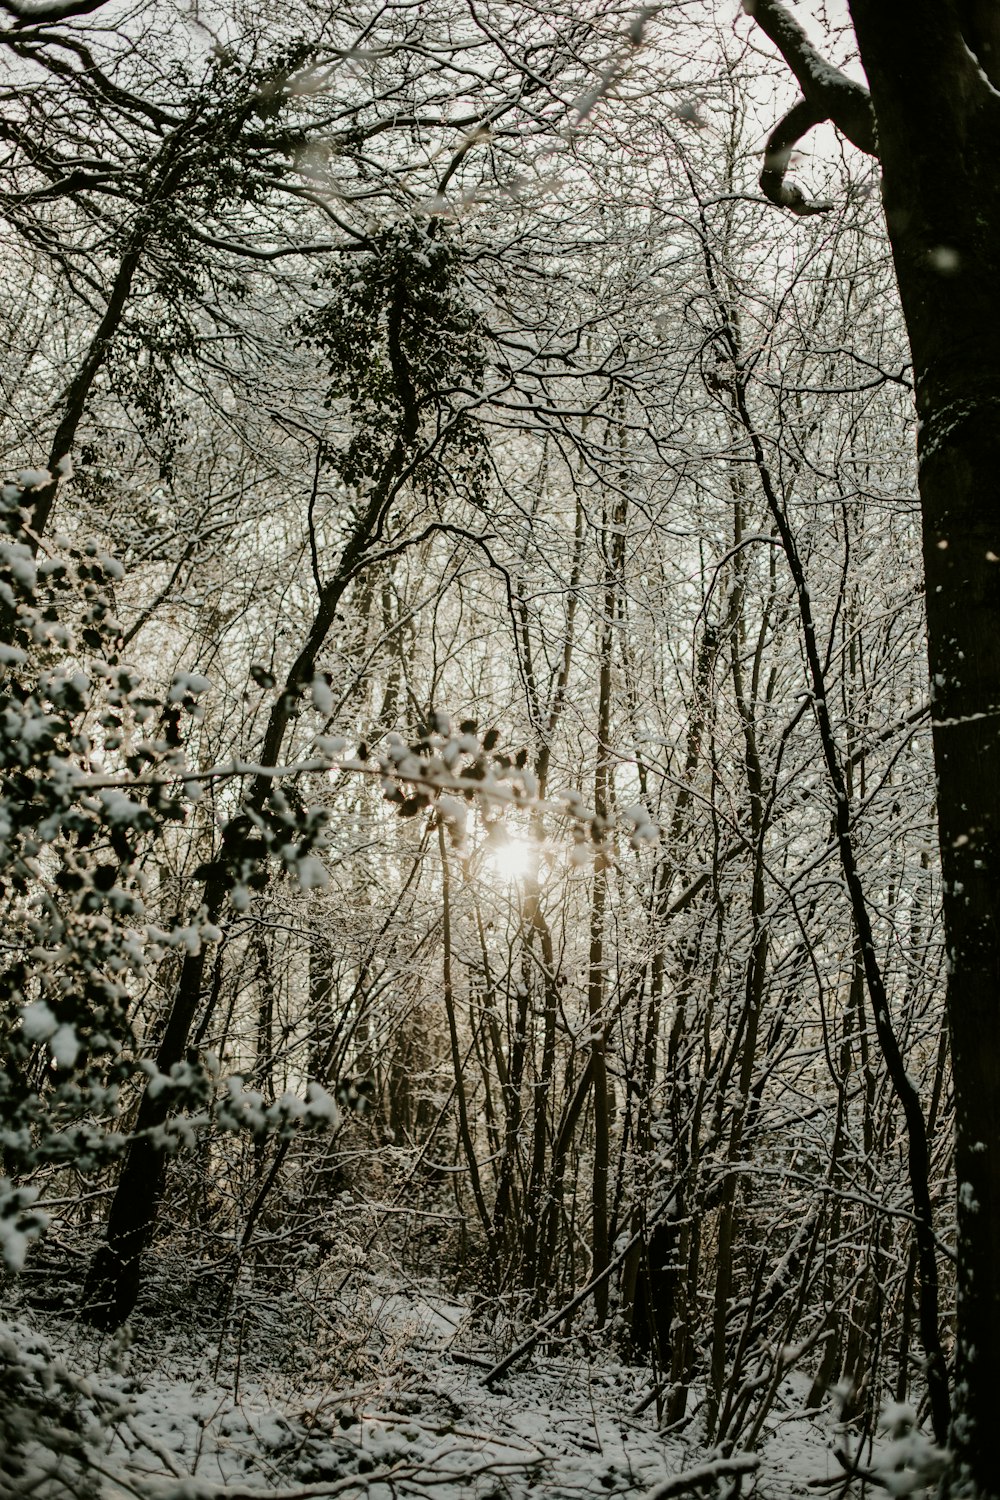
{"x": 408, "y": 1415}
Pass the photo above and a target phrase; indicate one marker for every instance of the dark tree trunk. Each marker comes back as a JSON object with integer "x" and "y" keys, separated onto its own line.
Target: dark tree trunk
{"x": 655, "y": 1293}
{"x": 113, "y": 1278}
{"x": 938, "y": 121}
{"x": 933, "y": 69}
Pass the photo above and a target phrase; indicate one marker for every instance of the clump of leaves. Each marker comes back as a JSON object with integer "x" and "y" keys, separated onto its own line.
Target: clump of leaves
{"x": 405, "y": 350}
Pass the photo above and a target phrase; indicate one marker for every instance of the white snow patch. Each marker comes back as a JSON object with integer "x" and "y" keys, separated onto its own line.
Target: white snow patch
{"x": 37, "y": 1022}
{"x": 33, "y": 479}
{"x": 64, "y": 1044}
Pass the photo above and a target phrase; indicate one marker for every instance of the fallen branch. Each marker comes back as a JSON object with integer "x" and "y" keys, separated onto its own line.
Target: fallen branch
{"x": 693, "y": 1479}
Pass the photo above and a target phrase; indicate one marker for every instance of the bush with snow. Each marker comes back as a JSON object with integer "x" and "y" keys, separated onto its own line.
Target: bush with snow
{"x": 93, "y": 771}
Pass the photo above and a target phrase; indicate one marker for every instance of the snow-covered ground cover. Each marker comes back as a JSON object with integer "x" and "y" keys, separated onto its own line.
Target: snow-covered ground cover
{"x": 166, "y": 1414}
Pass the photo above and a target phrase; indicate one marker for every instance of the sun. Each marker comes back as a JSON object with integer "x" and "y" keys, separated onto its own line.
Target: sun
{"x": 511, "y": 858}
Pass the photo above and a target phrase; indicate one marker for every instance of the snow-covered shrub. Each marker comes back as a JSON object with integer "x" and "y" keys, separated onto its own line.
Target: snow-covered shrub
{"x": 54, "y": 1424}
{"x": 93, "y": 773}
{"x": 93, "y": 776}
{"x": 78, "y": 806}
{"x": 909, "y": 1462}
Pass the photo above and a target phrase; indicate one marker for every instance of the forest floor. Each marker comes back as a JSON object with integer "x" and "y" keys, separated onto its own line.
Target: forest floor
{"x": 376, "y": 1390}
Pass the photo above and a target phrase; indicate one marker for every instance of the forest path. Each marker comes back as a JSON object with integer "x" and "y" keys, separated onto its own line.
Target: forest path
{"x": 382, "y": 1397}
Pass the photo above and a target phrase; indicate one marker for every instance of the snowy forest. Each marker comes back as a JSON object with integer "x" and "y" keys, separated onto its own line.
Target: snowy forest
{"x": 499, "y": 777}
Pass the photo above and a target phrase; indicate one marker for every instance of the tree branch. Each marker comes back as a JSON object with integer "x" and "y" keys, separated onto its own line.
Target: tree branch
{"x": 777, "y": 154}
{"x": 827, "y": 94}
{"x": 43, "y": 15}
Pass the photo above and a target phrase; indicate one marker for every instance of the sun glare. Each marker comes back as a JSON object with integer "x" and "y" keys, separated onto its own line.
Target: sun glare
{"x": 511, "y": 858}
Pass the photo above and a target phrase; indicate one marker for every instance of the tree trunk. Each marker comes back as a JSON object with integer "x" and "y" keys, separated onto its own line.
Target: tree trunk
{"x": 113, "y": 1279}
{"x": 613, "y": 550}
{"x": 932, "y": 77}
